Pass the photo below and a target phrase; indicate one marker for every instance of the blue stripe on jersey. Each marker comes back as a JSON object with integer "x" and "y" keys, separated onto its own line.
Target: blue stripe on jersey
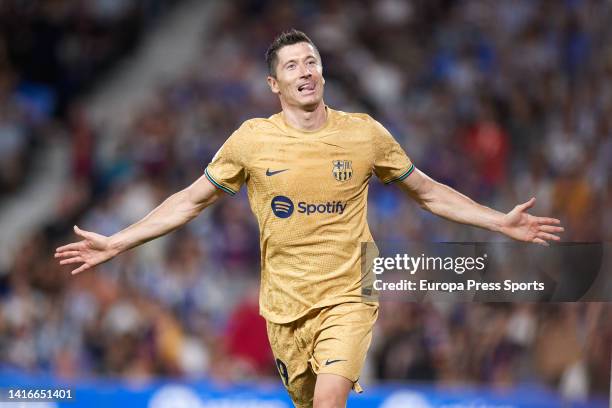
{"x": 403, "y": 176}
{"x": 218, "y": 185}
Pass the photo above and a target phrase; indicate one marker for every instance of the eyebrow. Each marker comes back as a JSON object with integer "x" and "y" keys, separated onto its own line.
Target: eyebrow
{"x": 294, "y": 60}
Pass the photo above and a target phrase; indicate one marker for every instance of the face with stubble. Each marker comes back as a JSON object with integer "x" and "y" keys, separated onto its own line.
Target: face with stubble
{"x": 299, "y": 78}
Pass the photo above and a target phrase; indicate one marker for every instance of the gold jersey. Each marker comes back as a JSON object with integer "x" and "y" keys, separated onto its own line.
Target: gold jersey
{"x": 309, "y": 192}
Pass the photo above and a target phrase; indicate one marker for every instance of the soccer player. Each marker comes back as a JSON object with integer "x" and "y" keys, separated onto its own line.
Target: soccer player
{"x": 307, "y": 170}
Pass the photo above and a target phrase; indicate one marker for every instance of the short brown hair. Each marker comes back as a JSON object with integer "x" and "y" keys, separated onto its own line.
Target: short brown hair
{"x": 290, "y": 37}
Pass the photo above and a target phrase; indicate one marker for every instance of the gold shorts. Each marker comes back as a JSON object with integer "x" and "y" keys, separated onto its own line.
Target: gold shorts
{"x": 330, "y": 340}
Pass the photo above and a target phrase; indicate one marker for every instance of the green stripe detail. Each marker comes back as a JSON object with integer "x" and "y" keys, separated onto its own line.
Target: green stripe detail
{"x": 403, "y": 176}
{"x": 218, "y": 185}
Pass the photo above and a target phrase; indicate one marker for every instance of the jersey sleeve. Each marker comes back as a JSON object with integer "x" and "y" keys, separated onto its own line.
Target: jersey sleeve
{"x": 391, "y": 163}
{"x": 227, "y": 170}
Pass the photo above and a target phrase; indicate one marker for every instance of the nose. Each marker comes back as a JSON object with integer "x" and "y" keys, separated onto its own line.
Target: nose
{"x": 305, "y": 71}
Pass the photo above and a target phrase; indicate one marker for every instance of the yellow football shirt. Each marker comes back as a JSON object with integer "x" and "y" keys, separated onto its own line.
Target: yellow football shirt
{"x": 308, "y": 191}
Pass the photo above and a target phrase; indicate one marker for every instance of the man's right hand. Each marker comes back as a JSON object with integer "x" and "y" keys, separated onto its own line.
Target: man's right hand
{"x": 175, "y": 211}
{"x": 93, "y": 250}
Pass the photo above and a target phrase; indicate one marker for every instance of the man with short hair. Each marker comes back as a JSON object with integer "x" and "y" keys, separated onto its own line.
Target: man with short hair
{"x": 307, "y": 170}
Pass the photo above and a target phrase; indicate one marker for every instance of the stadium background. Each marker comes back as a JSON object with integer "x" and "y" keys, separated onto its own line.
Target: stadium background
{"x": 501, "y": 100}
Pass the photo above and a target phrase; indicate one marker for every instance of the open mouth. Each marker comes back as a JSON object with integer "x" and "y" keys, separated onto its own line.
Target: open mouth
{"x": 307, "y": 88}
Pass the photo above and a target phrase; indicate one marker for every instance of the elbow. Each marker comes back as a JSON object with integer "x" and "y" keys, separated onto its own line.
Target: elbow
{"x": 427, "y": 196}
{"x": 425, "y": 191}
{"x": 185, "y": 208}
{"x": 194, "y": 205}
{"x": 191, "y": 213}
{"x": 425, "y": 205}
{"x": 194, "y": 209}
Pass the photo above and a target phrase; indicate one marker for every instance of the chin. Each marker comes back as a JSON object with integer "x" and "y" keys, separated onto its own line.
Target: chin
{"x": 310, "y": 104}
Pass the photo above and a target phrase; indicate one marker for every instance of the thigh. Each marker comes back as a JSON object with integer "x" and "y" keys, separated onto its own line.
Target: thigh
{"x": 342, "y": 339}
{"x": 292, "y": 355}
{"x": 331, "y": 390}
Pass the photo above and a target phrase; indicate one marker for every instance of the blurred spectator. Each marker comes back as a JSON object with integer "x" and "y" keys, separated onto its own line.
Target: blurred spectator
{"x": 67, "y": 44}
{"x": 246, "y": 338}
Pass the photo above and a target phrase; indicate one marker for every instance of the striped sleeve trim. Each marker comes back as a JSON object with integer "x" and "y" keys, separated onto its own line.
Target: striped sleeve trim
{"x": 403, "y": 176}
{"x": 218, "y": 185}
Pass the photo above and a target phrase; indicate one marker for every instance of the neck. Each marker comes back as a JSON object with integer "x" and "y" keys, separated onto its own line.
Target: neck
{"x": 305, "y": 120}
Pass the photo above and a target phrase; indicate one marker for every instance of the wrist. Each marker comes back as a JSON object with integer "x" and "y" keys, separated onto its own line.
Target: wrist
{"x": 499, "y": 223}
{"x": 115, "y": 245}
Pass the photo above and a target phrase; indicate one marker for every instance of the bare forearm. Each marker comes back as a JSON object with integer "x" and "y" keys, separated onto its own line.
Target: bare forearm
{"x": 452, "y": 205}
{"x": 174, "y": 212}
{"x": 95, "y": 249}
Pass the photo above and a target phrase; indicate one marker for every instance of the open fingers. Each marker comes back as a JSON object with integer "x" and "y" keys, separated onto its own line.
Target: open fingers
{"x": 527, "y": 205}
{"x": 76, "y": 259}
{"x": 67, "y": 254}
{"x": 547, "y": 236}
{"x": 80, "y": 269}
{"x": 541, "y": 242}
{"x": 546, "y": 220}
{"x": 550, "y": 228}
{"x": 83, "y": 233}
{"x": 71, "y": 247}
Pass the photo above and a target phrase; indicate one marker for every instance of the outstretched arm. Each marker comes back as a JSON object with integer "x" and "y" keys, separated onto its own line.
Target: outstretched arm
{"x": 442, "y": 200}
{"x": 175, "y": 211}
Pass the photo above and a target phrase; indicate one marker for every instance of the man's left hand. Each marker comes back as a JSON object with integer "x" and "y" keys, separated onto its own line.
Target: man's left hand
{"x": 519, "y": 225}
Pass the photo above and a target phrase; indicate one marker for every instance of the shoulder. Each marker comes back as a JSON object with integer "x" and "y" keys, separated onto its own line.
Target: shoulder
{"x": 362, "y": 121}
{"x": 354, "y": 117}
{"x": 250, "y": 125}
{"x": 247, "y": 130}
{"x": 350, "y": 119}
{"x": 257, "y": 125}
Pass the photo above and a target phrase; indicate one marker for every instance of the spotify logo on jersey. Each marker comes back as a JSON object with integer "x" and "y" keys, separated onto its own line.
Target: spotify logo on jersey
{"x": 282, "y": 206}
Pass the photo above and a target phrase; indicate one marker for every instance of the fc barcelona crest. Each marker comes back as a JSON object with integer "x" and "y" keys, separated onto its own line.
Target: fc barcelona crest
{"x": 342, "y": 170}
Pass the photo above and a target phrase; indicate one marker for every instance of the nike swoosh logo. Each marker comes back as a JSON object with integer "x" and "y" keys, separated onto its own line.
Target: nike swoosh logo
{"x": 271, "y": 173}
{"x": 328, "y": 362}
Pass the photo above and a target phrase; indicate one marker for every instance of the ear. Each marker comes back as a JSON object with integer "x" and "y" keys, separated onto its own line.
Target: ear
{"x": 273, "y": 84}
{"x": 322, "y": 77}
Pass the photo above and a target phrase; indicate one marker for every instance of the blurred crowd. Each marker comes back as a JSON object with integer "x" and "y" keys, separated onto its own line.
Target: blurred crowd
{"x": 67, "y": 44}
{"x": 500, "y": 100}
{"x": 50, "y": 53}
